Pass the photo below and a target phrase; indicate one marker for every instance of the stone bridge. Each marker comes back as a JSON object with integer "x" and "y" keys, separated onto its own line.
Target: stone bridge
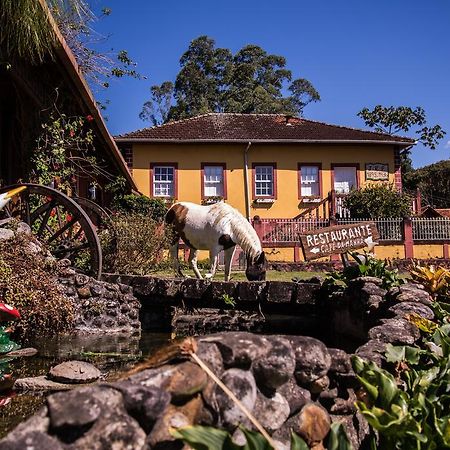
{"x": 190, "y": 306}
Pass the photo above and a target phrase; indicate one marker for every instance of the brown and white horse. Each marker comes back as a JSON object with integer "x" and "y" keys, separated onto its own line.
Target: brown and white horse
{"x": 215, "y": 228}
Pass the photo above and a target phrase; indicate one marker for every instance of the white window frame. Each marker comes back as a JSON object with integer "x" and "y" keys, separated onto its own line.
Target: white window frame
{"x": 158, "y": 184}
{"x": 268, "y": 183}
{"x": 220, "y": 183}
{"x": 306, "y": 181}
{"x": 351, "y": 183}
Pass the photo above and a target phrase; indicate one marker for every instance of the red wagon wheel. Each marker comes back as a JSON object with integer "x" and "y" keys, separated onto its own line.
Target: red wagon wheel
{"x": 60, "y": 223}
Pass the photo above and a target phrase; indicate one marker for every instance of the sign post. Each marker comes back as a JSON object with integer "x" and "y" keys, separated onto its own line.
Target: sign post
{"x": 338, "y": 239}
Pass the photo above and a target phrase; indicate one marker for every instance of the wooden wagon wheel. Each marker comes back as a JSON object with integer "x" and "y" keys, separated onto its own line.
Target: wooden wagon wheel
{"x": 60, "y": 223}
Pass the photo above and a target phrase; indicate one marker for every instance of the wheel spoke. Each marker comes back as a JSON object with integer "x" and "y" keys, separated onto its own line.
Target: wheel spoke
{"x": 69, "y": 224}
{"x": 73, "y": 249}
{"x": 44, "y": 222}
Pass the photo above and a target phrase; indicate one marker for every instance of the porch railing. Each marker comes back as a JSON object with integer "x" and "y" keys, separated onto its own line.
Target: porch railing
{"x": 390, "y": 228}
{"x": 430, "y": 229}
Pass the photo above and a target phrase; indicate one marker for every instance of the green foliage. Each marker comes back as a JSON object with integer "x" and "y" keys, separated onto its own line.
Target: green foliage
{"x": 31, "y": 288}
{"x": 393, "y": 120}
{"x": 140, "y": 244}
{"x": 64, "y": 150}
{"x": 140, "y": 204}
{"x": 410, "y": 410}
{"x": 367, "y": 266}
{"x": 436, "y": 280}
{"x": 433, "y": 181}
{"x": 377, "y": 200}
{"x": 209, "y": 438}
{"x": 214, "y": 80}
{"x": 229, "y": 300}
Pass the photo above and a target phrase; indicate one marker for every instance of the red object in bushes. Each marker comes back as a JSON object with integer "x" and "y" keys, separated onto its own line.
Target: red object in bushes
{"x": 8, "y": 313}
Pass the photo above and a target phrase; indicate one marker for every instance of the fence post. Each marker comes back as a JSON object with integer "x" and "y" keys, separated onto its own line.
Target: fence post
{"x": 408, "y": 237}
{"x": 258, "y": 226}
{"x": 445, "y": 251}
{"x": 332, "y": 223}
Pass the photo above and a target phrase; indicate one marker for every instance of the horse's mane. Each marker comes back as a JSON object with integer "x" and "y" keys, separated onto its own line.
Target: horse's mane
{"x": 242, "y": 231}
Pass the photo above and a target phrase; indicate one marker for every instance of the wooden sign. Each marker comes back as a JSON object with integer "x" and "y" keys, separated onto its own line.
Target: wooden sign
{"x": 338, "y": 239}
{"x": 377, "y": 171}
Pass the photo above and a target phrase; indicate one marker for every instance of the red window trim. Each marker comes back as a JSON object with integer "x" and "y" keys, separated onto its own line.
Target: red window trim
{"x": 274, "y": 167}
{"x": 355, "y": 165}
{"x": 170, "y": 164}
{"x": 224, "y": 167}
{"x": 299, "y": 171}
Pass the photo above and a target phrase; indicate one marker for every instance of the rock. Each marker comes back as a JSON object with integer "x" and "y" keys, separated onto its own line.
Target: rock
{"x": 271, "y": 412}
{"x": 97, "y": 290}
{"x": 345, "y": 405}
{"x": 30, "y": 351}
{"x": 6, "y": 234}
{"x": 23, "y": 228}
{"x": 251, "y": 292}
{"x": 305, "y": 292}
{"x": 314, "y": 423}
{"x": 74, "y": 372}
{"x": 319, "y": 385}
{"x": 174, "y": 417}
{"x": 81, "y": 280}
{"x": 395, "y": 331}
{"x": 277, "y": 366}
{"x": 73, "y": 409}
{"x": 279, "y": 291}
{"x": 356, "y": 427}
{"x": 243, "y": 385}
{"x": 145, "y": 404}
{"x": 296, "y": 396}
{"x": 239, "y": 349}
{"x": 221, "y": 288}
{"x": 404, "y": 308}
{"x": 181, "y": 381}
{"x": 211, "y": 356}
{"x": 374, "y": 280}
{"x": 42, "y": 383}
{"x": 340, "y": 361}
{"x": 312, "y": 359}
{"x": 412, "y": 293}
{"x": 84, "y": 292}
{"x": 372, "y": 351}
{"x": 33, "y": 440}
{"x": 194, "y": 289}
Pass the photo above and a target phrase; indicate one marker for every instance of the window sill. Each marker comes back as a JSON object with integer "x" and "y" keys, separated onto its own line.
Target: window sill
{"x": 310, "y": 200}
{"x": 264, "y": 200}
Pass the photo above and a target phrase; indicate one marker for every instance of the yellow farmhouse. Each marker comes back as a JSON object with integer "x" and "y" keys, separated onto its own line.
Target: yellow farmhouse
{"x": 266, "y": 165}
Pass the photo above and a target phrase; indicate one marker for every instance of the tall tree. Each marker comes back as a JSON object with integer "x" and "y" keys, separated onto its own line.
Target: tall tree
{"x": 156, "y": 110}
{"x": 214, "y": 80}
{"x": 393, "y": 120}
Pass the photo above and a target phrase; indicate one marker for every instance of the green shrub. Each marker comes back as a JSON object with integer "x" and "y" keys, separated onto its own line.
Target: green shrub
{"x": 377, "y": 200}
{"x": 140, "y": 204}
{"x": 140, "y": 245}
{"x": 31, "y": 286}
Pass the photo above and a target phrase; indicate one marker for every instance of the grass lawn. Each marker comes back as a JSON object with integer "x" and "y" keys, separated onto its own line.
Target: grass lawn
{"x": 272, "y": 275}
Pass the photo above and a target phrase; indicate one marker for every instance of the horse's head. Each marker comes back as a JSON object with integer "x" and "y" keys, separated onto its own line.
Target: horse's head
{"x": 256, "y": 268}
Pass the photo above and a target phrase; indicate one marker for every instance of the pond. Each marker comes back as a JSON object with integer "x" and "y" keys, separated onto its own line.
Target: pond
{"x": 110, "y": 353}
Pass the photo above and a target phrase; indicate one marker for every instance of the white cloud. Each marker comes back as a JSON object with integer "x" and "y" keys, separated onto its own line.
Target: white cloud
{"x": 447, "y": 145}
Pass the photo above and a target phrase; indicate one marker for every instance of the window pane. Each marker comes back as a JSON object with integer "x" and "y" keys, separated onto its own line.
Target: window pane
{"x": 264, "y": 181}
{"x": 344, "y": 179}
{"x": 163, "y": 181}
{"x": 309, "y": 183}
{"x": 213, "y": 181}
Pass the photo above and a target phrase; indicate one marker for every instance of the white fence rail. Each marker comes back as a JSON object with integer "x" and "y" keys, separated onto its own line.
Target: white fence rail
{"x": 390, "y": 228}
{"x": 433, "y": 229}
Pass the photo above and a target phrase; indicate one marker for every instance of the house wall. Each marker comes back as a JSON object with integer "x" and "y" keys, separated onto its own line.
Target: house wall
{"x": 189, "y": 158}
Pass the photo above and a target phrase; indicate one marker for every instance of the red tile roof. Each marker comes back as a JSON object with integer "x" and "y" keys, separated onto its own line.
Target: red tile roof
{"x": 230, "y": 127}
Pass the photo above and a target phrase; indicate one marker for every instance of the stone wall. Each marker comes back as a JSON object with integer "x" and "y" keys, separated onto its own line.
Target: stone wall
{"x": 99, "y": 306}
{"x": 287, "y": 382}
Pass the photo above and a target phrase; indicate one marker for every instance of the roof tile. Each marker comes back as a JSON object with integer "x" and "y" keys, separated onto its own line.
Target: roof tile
{"x": 224, "y": 127}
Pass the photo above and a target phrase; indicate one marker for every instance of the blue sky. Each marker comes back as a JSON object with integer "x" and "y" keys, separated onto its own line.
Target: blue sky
{"x": 356, "y": 53}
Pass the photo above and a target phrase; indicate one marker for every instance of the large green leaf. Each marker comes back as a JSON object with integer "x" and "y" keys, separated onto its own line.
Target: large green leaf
{"x": 338, "y": 439}
{"x": 255, "y": 441}
{"x": 205, "y": 438}
{"x": 397, "y": 353}
{"x": 297, "y": 443}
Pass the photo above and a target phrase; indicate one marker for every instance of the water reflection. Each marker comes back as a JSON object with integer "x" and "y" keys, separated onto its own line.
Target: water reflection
{"x": 110, "y": 353}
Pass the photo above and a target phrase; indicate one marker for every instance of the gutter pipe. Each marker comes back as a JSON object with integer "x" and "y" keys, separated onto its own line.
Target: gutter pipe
{"x": 246, "y": 188}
